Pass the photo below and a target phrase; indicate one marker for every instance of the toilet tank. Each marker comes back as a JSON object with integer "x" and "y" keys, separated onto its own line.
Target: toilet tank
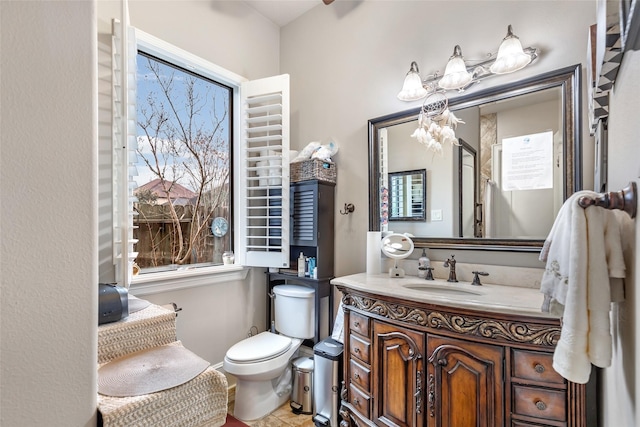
{"x": 294, "y": 311}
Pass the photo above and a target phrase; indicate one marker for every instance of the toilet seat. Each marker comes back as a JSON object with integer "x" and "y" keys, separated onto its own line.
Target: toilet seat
{"x": 259, "y": 348}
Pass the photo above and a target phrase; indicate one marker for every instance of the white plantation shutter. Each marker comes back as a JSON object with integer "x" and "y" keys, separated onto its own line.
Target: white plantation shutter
{"x": 263, "y": 171}
{"x": 124, "y": 51}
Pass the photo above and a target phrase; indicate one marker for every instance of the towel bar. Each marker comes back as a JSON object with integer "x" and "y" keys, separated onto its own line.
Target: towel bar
{"x": 625, "y": 199}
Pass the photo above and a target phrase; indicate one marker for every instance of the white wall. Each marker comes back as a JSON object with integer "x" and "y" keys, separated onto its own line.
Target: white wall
{"x": 48, "y": 170}
{"x": 347, "y": 63}
{"x": 621, "y": 395}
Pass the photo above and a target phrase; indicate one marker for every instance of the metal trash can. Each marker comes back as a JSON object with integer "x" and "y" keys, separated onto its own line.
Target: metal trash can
{"x": 302, "y": 391}
{"x": 327, "y": 360}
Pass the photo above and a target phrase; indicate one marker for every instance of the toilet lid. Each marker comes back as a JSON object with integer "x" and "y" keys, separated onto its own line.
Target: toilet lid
{"x": 259, "y": 347}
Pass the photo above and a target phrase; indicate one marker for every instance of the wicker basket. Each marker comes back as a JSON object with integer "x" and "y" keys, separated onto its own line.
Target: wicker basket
{"x": 313, "y": 169}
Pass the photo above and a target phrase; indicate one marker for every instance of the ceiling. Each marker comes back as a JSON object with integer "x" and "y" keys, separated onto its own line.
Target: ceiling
{"x": 281, "y": 12}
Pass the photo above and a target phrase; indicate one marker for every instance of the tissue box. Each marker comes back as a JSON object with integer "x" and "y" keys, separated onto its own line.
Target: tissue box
{"x": 313, "y": 169}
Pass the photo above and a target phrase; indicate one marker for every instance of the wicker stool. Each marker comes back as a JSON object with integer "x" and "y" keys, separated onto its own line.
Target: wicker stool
{"x": 199, "y": 402}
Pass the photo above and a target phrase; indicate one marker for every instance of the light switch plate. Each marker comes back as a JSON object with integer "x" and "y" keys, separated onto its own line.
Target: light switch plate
{"x": 436, "y": 214}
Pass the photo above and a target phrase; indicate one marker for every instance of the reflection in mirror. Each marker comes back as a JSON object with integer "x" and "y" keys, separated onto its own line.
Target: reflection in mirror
{"x": 407, "y": 195}
{"x": 526, "y": 143}
{"x": 469, "y": 221}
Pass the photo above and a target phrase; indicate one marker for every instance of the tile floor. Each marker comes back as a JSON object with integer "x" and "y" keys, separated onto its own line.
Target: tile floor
{"x": 281, "y": 417}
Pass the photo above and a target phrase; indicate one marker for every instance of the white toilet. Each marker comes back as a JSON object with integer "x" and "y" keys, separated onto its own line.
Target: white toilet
{"x": 262, "y": 363}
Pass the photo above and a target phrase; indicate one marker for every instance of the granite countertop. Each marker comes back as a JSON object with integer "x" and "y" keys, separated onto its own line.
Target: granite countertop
{"x": 488, "y": 297}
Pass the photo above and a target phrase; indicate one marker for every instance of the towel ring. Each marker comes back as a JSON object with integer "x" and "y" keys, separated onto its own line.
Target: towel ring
{"x": 625, "y": 199}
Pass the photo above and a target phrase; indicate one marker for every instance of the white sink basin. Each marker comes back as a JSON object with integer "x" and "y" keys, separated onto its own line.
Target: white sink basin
{"x": 441, "y": 289}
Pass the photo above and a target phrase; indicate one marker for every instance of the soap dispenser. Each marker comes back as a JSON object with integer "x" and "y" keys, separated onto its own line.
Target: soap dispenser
{"x": 423, "y": 264}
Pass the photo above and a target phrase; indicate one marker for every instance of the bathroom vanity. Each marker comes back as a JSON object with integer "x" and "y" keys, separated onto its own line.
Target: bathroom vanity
{"x": 433, "y": 353}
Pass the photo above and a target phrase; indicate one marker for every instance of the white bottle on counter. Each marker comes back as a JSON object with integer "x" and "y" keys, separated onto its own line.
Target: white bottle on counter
{"x": 301, "y": 265}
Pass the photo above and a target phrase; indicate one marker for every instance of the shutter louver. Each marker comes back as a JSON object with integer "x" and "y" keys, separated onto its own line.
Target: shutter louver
{"x": 303, "y": 216}
{"x": 264, "y": 234}
{"x": 124, "y": 149}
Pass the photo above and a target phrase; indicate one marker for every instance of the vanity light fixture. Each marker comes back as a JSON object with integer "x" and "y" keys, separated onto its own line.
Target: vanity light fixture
{"x": 412, "y": 89}
{"x": 511, "y": 56}
{"x": 460, "y": 74}
{"x": 456, "y": 75}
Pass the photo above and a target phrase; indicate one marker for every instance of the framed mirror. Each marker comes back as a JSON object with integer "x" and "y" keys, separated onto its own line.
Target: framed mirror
{"x": 544, "y": 108}
{"x": 407, "y": 195}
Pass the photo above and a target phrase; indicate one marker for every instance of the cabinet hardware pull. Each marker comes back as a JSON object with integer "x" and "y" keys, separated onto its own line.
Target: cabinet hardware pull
{"x": 356, "y": 324}
{"x": 442, "y": 362}
{"x": 356, "y": 376}
{"x": 539, "y": 368}
{"x": 431, "y": 396}
{"x": 418, "y": 394}
{"x": 541, "y": 405}
{"x": 356, "y": 401}
{"x": 356, "y": 350}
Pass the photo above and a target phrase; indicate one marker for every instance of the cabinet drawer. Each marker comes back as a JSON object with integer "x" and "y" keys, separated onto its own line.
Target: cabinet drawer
{"x": 531, "y": 365}
{"x": 359, "y": 374}
{"x": 539, "y": 403}
{"x": 359, "y": 348}
{"x": 359, "y": 400}
{"x": 516, "y": 423}
{"x": 359, "y": 324}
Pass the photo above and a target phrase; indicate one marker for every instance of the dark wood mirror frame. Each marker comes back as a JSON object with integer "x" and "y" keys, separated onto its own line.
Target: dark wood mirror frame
{"x": 567, "y": 79}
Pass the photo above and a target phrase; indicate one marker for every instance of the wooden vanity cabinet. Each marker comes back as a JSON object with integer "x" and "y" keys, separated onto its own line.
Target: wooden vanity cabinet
{"x": 426, "y": 365}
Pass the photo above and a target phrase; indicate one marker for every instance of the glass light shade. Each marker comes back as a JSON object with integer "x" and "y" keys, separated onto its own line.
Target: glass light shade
{"x": 511, "y": 57}
{"x": 456, "y": 75}
{"x": 412, "y": 88}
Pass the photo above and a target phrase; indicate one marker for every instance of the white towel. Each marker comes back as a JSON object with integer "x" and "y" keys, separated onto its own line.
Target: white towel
{"x": 583, "y": 250}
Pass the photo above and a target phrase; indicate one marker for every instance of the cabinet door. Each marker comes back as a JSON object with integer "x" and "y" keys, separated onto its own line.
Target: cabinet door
{"x": 304, "y": 213}
{"x": 465, "y": 384}
{"x": 397, "y": 370}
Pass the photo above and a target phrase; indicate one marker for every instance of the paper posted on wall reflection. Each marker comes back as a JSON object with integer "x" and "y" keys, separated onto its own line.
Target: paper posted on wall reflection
{"x": 527, "y": 162}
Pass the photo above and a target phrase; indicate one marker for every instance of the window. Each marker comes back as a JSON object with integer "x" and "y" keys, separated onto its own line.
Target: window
{"x": 184, "y": 157}
{"x": 200, "y": 165}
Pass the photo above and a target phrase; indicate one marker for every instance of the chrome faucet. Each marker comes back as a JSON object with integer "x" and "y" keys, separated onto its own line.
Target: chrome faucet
{"x": 451, "y": 263}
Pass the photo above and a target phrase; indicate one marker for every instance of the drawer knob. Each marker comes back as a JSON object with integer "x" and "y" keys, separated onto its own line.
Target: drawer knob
{"x": 356, "y": 324}
{"x": 356, "y": 401}
{"x": 356, "y": 350}
{"x": 539, "y": 368}
{"x": 541, "y": 405}
{"x": 356, "y": 376}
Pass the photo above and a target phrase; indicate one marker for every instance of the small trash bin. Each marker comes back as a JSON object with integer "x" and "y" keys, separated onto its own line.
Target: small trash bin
{"x": 327, "y": 358}
{"x": 302, "y": 391}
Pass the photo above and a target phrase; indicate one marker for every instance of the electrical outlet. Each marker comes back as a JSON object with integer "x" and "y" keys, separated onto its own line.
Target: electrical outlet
{"x": 436, "y": 214}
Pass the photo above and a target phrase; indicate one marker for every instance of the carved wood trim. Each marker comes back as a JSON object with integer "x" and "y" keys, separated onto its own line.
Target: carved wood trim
{"x": 500, "y": 330}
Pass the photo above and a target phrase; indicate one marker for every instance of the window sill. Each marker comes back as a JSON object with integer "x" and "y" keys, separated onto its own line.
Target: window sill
{"x": 153, "y": 283}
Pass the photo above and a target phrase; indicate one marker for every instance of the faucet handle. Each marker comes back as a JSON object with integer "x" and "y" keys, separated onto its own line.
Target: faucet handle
{"x": 476, "y": 279}
{"x": 429, "y": 275}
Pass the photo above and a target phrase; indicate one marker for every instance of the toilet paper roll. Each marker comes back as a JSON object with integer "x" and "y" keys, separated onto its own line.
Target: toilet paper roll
{"x": 374, "y": 255}
{"x": 262, "y": 171}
